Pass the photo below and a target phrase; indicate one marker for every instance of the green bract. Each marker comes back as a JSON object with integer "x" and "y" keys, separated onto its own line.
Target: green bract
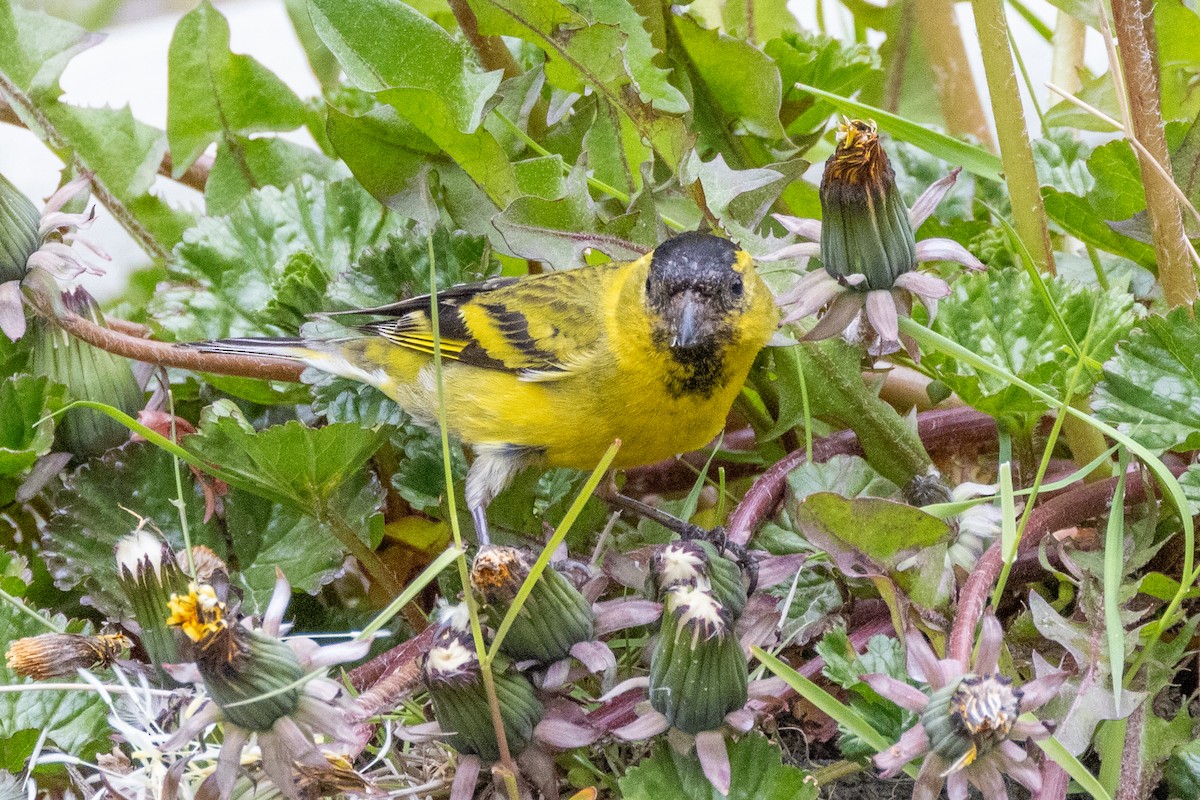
{"x": 18, "y": 231}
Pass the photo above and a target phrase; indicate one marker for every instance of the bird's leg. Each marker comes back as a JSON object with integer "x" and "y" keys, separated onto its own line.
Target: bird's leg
{"x": 479, "y": 514}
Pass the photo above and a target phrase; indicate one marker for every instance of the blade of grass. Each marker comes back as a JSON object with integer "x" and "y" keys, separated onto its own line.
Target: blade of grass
{"x": 828, "y": 704}
{"x": 973, "y": 159}
{"x": 1055, "y": 751}
{"x": 411, "y": 591}
{"x": 1009, "y": 540}
{"x": 1114, "y": 561}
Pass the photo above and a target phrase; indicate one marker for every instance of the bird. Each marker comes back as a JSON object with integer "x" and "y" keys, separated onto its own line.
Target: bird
{"x": 549, "y": 369}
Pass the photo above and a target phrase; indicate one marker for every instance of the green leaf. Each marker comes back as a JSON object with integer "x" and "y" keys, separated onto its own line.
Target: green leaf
{"x": 739, "y": 78}
{"x": 581, "y": 53}
{"x": 1022, "y": 335}
{"x": 652, "y": 81}
{"x": 214, "y": 94}
{"x": 243, "y": 165}
{"x": 820, "y": 61}
{"x": 102, "y": 501}
{"x": 26, "y": 433}
{"x": 1108, "y": 191}
{"x": 271, "y": 535}
{"x": 849, "y": 476}
{"x": 228, "y": 269}
{"x": 973, "y": 159}
{"x": 1151, "y": 389}
{"x": 385, "y": 152}
{"x": 125, "y": 155}
{"x": 430, "y": 81}
{"x": 398, "y": 268}
{"x": 883, "y": 530}
{"x": 73, "y": 721}
{"x": 35, "y": 47}
{"x": 758, "y": 773}
{"x": 759, "y": 20}
{"x": 558, "y": 231}
{"x": 322, "y": 61}
{"x": 290, "y": 463}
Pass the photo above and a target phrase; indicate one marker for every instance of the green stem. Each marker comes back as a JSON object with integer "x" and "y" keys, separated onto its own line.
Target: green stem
{"x": 937, "y": 25}
{"x": 1015, "y": 151}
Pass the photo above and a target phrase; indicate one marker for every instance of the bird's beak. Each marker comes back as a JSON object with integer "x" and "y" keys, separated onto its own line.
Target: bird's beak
{"x": 689, "y": 314}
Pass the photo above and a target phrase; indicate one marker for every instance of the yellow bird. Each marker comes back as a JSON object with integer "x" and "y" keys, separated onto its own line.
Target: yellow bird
{"x": 549, "y": 369}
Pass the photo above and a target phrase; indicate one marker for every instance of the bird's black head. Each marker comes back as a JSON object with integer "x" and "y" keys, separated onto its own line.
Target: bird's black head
{"x": 695, "y": 287}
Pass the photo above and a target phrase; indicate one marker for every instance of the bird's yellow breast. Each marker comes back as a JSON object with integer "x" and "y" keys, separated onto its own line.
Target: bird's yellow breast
{"x": 626, "y": 387}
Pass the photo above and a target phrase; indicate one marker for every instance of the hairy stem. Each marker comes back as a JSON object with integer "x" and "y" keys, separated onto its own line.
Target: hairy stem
{"x": 12, "y": 93}
{"x": 937, "y": 25}
{"x": 492, "y": 52}
{"x": 1029, "y": 215}
{"x": 1138, "y": 49}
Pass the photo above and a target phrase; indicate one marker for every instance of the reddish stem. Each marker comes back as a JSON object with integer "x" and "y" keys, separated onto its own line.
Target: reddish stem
{"x": 938, "y": 429}
{"x": 1063, "y": 511}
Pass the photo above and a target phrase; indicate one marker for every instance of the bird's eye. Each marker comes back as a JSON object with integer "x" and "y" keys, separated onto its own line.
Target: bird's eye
{"x": 735, "y": 288}
{"x": 649, "y": 283}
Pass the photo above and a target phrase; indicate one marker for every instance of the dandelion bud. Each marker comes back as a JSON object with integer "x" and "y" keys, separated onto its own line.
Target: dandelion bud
{"x": 18, "y": 231}
{"x": 554, "y": 616}
{"x": 698, "y": 671}
{"x": 89, "y": 373}
{"x": 865, "y": 226}
{"x": 460, "y": 705}
{"x": 697, "y": 564}
{"x": 148, "y": 575}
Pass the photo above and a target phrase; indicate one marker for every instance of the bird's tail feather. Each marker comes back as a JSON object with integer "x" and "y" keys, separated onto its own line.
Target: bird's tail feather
{"x": 291, "y": 348}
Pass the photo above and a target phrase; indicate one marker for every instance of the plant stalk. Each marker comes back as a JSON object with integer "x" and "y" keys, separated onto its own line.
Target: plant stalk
{"x": 1138, "y": 48}
{"x": 937, "y": 26}
{"x": 1067, "y": 49}
{"x": 1029, "y": 215}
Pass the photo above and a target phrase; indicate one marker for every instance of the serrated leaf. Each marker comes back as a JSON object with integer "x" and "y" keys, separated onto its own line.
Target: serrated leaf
{"x": 269, "y": 535}
{"x": 819, "y": 61}
{"x": 26, "y": 433}
{"x": 214, "y": 95}
{"x": 581, "y": 54}
{"x": 651, "y": 81}
{"x": 290, "y": 463}
{"x": 740, "y": 79}
{"x": 757, "y": 773}
{"x": 35, "y": 47}
{"x": 1020, "y": 333}
{"x": 849, "y": 476}
{"x": 300, "y": 290}
{"x": 1151, "y": 389}
{"x": 429, "y": 81}
{"x": 557, "y": 231}
{"x": 243, "y": 165}
{"x": 226, "y": 270}
{"x": 398, "y": 268}
{"x": 101, "y": 501}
